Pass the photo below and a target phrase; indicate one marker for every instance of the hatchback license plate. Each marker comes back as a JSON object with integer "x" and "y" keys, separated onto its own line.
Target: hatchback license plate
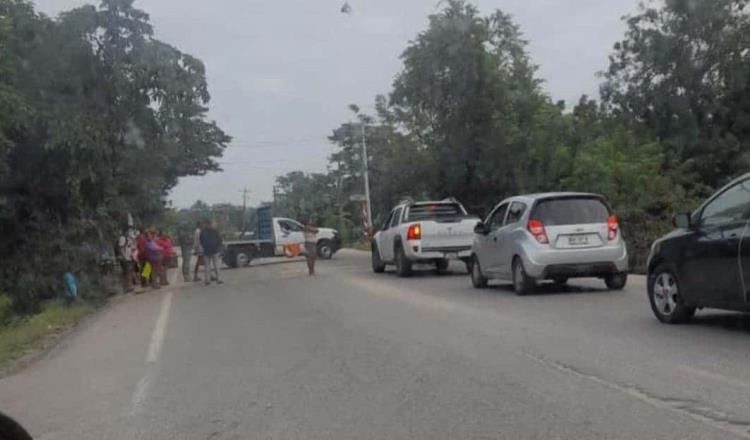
{"x": 578, "y": 240}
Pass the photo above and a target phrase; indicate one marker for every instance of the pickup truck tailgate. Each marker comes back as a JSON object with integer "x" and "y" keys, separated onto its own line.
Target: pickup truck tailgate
{"x": 447, "y": 235}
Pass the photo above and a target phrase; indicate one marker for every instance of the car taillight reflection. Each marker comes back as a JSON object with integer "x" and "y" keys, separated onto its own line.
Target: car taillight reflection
{"x": 536, "y": 228}
{"x": 414, "y": 232}
{"x": 612, "y": 227}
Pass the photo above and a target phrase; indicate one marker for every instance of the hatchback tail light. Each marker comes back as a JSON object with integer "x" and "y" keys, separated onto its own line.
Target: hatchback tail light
{"x": 414, "y": 232}
{"x": 536, "y": 228}
{"x": 612, "y": 227}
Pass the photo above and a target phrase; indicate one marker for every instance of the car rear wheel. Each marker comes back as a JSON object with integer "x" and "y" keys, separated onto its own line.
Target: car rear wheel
{"x": 522, "y": 283}
{"x": 403, "y": 265}
{"x": 616, "y": 281}
{"x": 478, "y": 280}
{"x": 666, "y": 299}
{"x": 377, "y": 264}
{"x": 441, "y": 267}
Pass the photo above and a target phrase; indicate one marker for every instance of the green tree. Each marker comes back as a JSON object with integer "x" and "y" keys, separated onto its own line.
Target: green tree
{"x": 98, "y": 119}
{"x": 683, "y": 72}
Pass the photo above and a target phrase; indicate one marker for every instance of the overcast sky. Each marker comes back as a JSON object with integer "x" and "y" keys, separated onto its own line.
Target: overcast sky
{"x": 282, "y": 72}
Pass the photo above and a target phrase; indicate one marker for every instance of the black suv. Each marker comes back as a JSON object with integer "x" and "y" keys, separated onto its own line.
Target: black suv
{"x": 705, "y": 262}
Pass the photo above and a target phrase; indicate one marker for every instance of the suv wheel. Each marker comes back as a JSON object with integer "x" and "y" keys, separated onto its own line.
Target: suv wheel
{"x": 522, "y": 283}
{"x": 377, "y": 264}
{"x": 616, "y": 281}
{"x": 403, "y": 265}
{"x": 666, "y": 299}
{"x": 477, "y": 279}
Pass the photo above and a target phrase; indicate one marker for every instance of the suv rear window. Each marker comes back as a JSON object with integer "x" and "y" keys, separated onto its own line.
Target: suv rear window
{"x": 434, "y": 211}
{"x": 571, "y": 211}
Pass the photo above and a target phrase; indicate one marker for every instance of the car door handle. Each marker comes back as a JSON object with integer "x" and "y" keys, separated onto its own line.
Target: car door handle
{"x": 494, "y": 239}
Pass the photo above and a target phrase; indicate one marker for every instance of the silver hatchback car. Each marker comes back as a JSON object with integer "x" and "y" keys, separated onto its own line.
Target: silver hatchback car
{"x": 551, "y": 236}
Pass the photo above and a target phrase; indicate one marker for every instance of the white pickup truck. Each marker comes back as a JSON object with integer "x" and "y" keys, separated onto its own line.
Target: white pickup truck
{"x": 423, "y": 233}
{"x": 273, "y": 233}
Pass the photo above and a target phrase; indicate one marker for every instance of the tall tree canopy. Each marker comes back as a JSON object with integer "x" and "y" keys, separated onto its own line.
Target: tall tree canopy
{"x": 97, "y": 119}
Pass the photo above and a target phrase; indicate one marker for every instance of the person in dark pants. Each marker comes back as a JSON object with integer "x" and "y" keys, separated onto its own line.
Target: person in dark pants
{"x": 211, "y": 243}
{"x": 311, "y": 248}
{"x": 197, "y": 251}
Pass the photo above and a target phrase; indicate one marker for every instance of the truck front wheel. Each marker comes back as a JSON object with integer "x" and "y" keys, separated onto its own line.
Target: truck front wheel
{"x": 325, "y": 249}
{"x": 242, "y": 259}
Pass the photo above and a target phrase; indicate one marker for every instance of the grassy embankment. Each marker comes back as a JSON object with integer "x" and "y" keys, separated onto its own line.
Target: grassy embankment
{"x": 20, "y": 335}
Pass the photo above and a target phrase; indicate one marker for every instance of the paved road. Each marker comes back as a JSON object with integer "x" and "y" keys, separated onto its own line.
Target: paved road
{"x": 273, "y": 354}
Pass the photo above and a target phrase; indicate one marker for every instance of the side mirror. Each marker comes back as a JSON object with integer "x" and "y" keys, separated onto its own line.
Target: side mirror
{"x": 682, "y": 220}
{"x": 481, "y": 229}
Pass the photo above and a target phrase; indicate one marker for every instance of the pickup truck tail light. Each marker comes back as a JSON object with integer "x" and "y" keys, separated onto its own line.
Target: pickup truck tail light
{"x": 414, "y": 232}
{"x": 612, "y": 227}
{"x": 536, "y": 228}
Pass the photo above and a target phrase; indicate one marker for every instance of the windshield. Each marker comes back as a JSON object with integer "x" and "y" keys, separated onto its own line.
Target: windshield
{"x": 571, "y": 211}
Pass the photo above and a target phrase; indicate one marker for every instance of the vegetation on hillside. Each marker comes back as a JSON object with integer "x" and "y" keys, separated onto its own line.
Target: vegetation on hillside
{"x": 468, "y": 117}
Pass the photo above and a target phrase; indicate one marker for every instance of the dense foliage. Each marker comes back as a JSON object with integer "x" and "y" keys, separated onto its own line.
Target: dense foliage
{"x": 468, "y": 117}
{"x": 98, "y": 119}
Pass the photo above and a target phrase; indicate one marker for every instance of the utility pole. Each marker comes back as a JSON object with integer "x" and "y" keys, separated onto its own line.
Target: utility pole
{"x": 244, "y": 208}
{"x": 367, "y": 178}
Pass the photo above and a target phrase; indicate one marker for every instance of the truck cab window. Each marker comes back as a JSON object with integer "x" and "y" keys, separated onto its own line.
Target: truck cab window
{"x": 396, "y": 219}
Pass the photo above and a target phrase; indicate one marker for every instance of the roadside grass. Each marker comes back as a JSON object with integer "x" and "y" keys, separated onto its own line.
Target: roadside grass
{"x": 21, "y": 335}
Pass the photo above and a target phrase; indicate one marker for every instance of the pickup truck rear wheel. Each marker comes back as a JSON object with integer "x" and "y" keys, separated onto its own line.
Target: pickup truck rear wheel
{"x": 441, "y": 267}
{"x": 377, "y": 264}
{"x": 403, "y": 265}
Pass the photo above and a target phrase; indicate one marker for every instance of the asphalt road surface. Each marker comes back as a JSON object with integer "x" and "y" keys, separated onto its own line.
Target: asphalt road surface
{"x": 348, "y": 354}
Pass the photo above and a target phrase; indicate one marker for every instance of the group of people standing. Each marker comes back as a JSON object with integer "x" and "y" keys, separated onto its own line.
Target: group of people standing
{"x": 144, "y": 257}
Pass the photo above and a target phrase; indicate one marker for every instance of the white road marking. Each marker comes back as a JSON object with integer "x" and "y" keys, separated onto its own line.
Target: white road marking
{"x": 157, "y": 336}
{"x": 139, "y": 396}
{"x": 154, "y": 350}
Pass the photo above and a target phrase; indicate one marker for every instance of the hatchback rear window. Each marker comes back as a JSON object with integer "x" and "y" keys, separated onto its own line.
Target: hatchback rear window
{"x": 434, "y": 211}
{"x": 571, "y": 211}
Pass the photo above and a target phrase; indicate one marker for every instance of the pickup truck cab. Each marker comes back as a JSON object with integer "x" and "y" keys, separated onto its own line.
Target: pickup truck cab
{"x": 274, "y": 233}
{"x": 423, "y": 233}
